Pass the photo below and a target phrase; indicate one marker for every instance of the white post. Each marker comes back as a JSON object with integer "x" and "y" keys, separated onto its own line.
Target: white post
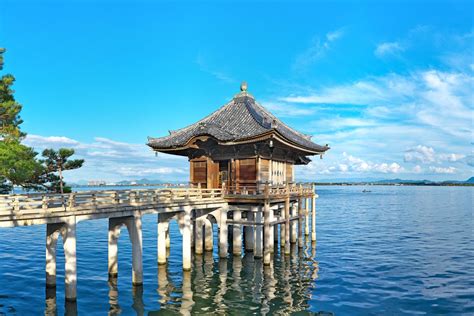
{"x": 134, "y": 225}
{"x": 293, "y": 224}
{"x": 267, "y": 231}
{"x": 223, "y": 242}
{"x": 237, "y": 234}
{"x": 69, "y": 243}
{"x": 313, "y": 220}
{"x": 271, "y": 238}
{"x": 168, "y": 240}
{"x": 114, "y": 233}
{"x": 249, "y": 233}
{"x": 300, "y": 223}
{"x": 208, "y": 235}
{"x": 287, "y": 226}
{"x": 163, "y": 226}
{"x": 198, "y": 237}
{"x": 283, "y": 227}
{"x": 306, "y": 216}
{"x": 187, "y": 239}
{"x": 52, "y": 233}
{"x": 258, "y": 252}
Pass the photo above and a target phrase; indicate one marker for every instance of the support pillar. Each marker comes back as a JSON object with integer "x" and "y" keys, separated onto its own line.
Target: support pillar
{"x": 237, "y": 234}
{"x": 258, "y": 249}
{"x": 287, "y": 226}
{"x": 68, "y": 233}
{"x": 134, "y": 225}
{"x": 223, "y": 233}
{"x": 187, "y": 239}
{"x": 249, "y": 233}
{"x": 114, "y": 234}
{"x": 313, "y": 219}
{"x": 208, "y": 236}
{"x": 300, "y": 223}
{"x": 306, "y": 216}
{"x": 168, "y": 240}
{"x": 267, "y": 231}
{"x": 294, "y": 211}
{"x": 282, "y": 227}
{"x": 198, "y": 237}
{"x": 52, "y": 234}
{"x": 271, "y": 235}
{"x": 163, "y": 232}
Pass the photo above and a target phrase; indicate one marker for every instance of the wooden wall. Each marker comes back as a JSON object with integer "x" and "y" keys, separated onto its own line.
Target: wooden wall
{"x": 205, "y": 172}
{"x": 242, "y": 172}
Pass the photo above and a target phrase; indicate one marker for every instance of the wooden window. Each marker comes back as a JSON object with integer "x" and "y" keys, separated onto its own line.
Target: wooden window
{"x": 199, "y": 171}
{"x": 248, "y": 170}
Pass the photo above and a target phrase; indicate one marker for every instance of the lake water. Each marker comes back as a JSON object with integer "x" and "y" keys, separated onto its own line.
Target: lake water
{"x": 392, "y": 251}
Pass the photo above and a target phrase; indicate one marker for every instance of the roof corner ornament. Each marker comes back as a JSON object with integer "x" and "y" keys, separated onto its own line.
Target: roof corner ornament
{"x": 274, "y": 124}
{"x": 243, "y": 86}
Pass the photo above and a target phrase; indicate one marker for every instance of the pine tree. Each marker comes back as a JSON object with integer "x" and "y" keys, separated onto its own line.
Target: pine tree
{"x": 18, "y": 164}
{"x": 58, "y": 162}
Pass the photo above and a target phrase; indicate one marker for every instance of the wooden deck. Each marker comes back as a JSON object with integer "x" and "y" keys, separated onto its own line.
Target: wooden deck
{"x": 37, "y": 208}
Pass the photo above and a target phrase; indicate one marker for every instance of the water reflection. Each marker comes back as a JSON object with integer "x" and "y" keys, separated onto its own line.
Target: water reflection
{"x": 70, "y": 308}
{"x": 242, "y": 284}
{"x": 223, "y": 286}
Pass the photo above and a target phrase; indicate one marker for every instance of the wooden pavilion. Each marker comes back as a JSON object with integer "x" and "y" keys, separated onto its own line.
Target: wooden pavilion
{"x": 241, "y": 145}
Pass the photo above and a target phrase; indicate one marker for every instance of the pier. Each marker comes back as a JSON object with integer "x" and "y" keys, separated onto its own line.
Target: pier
{"x": 254, "y": 217}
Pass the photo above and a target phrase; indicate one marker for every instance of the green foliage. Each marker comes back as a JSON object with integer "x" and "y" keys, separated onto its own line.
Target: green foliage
{"x": 2, "y": 50}
{"x": 19, "y": 166}
{"x": 58, "y": 162}
{"x": 18, "y": 163}
{"x": 9, "y": 109}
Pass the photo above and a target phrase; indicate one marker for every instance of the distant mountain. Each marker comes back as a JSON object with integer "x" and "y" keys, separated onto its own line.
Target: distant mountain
{"x": 139, "y": 181}
{"x": 399, "y": 181}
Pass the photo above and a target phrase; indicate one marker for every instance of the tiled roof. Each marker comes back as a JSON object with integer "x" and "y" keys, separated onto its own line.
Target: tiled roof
{"x": 240, "y": 119}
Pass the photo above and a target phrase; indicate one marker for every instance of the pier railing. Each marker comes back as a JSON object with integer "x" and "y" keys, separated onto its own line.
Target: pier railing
{"x": 270, "y": 190}
{"x": 34, "y": 203}
{"x": 17, "y": 206}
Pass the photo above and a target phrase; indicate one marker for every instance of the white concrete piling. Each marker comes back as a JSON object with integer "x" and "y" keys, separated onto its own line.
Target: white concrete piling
{"x": 163, "y": 233}
{"x": 294, "y": 212}
{"x": 313, "y": 219}
{"x": 187, "y": 239}
{"x": 198, "y": 237}
{"x": 249, "y": 233}
{"x": 67, "y": 230}
{"x": 223, "y": 233}
{"x": 258, "y": 249}
{"x": 237, "y": 234}
{"x": 208, "y": 236}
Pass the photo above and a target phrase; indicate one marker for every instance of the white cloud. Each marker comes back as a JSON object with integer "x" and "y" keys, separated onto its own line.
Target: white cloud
{"x": 425, "y": 154}
{"x": 317, "y": 50}
{"x": 388, "y": 48}
{"x": 52, "y": 141}
{"x": 110, "y": 160}
{"x": 447, "y": 170}
{"x": 417, "y": 169}
{"x": 420, "y": 153}
{"x": 436, "y": 99}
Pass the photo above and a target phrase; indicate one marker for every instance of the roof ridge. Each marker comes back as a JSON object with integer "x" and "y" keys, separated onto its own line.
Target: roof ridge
{"x": 186, "y": 128}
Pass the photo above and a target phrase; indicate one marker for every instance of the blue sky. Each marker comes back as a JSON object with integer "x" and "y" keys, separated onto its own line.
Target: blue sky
{"x": 387, "y": 84}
